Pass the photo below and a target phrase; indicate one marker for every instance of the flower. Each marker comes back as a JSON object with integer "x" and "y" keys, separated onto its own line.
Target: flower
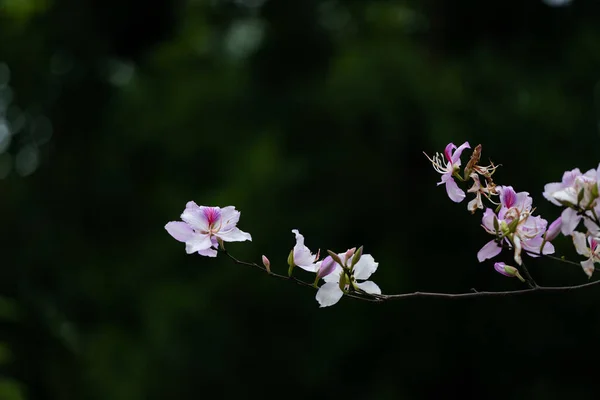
{"x": 592, "y": 252}
{"x": 515, "y": 226}
{"x": 448, "y": 168}
{"x": 302, "y": 257}
{"x": 508, "y": 270}
{"x": 578, "y": 192}
{"x": 340, "y": 280}
{"x": 479, "y": 190}
{"x": 203, "y": 227}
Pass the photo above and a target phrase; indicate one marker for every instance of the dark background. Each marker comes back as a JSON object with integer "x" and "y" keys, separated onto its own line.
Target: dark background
{"x": 307, "y": 114}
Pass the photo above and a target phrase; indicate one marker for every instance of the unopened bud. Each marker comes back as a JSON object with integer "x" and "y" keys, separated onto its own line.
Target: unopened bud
{"x": 508, "y": 270}
{"x": 327, "y": 267}
{"x": 343, "y": 281}
{"x": 350, "y": 253}
{"x": 266, "y": 263}
{"x": 553, "y": 230}
{"x": 496, "y": 226}
{"x": 290, "y": 262}
{"x": 336, "y": 258}
{"x": 356, "y": 257}
{"x": 512, "y": 227}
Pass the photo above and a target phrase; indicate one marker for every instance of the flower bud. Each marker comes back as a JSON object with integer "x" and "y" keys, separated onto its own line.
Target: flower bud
{"x": 350, "y": 253}
{"x": 553, "y": 230}
{"x": 335, "y": 257}
{"x": 327, "y": 267}
{"x": 356, "y": 257}
{"x": 512, "y": 227}
{"x": 496, "y": 225}
{"x": 266, "y": 263}
{"x": 290, "y": 262}
{"x": 343, "y": 281}
{"x": 508, "y": 270}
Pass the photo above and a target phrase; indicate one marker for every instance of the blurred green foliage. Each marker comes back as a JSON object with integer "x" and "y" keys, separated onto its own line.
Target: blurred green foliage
{"x": 311, "y": 115}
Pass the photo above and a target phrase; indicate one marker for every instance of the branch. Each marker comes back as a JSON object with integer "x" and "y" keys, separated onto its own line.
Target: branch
{"x": 378, "y": 298}
{"x": 357, "y": 295}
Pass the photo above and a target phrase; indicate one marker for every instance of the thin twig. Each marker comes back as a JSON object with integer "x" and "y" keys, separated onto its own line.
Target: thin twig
{"x": 530, "y": 281}
{"x": 378, "y": 298}
{"x": 357, "y": 295}
{"x": 488, "y": 294}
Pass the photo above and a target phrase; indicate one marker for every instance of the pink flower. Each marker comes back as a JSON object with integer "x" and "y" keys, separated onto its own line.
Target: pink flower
{"x": 514, "y": 226}
{"x": 447, "y": 165}
{"x": 203, "y": 226}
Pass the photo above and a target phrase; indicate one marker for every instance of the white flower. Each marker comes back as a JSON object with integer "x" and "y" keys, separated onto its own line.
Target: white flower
{"x": 331, "y": 292}
{"x": 592, "y": 252}
{"x": 577, "y": 192}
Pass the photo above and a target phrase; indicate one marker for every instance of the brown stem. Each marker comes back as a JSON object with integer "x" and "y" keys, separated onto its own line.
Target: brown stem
{"x": 378, "y": 298}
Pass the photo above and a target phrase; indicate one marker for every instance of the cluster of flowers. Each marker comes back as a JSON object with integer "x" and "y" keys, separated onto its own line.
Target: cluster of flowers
{"x": 204, "y": 229}
{"x": 512, "y": 222}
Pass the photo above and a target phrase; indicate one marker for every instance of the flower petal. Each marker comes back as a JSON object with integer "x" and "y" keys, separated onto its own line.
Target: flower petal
{"x": 333, "y": 277}
{"x": 302, "y": 255}
{"x": 490, "y": 250}
{"x": 194, "y": 216}
{"x": 488, "y": 219}
{"x": 591, "y": 225}
{"x": 179, "y": 230}
{"x": 210, "y": 252}
{"x": 369, "y": 287}
{"x": 581, "y": 244}
{"x": 550, "y": 189}
{"x": 448, "y": 151}
{"x": 229, "y": 218}
{"x": 588, "y": 267}
{"x": 570, "y": 220}
{"x": 192, "y": 205}
{"x": 329, "y": 294}
{"x": 234, "y": 235}
{"x": 458, "y": 152}
{"x": 508, "y": 196}
{"x": 365, "y": 267}
{"x": 455, "y": 193}
{"x": 198, "y": 243}
{"x": 548, "y": 248}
